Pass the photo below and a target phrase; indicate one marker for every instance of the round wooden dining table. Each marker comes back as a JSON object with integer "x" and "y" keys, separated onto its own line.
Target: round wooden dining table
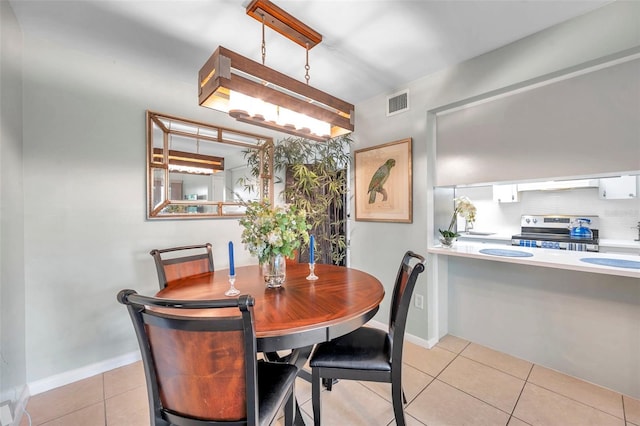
{"x": 299, "y": 314}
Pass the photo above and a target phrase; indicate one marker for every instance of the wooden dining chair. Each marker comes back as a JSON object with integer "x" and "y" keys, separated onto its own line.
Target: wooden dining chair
{"x": 194, "y": 260}
{"x": 370, "y": 354}
{"x": 203, "y": 370}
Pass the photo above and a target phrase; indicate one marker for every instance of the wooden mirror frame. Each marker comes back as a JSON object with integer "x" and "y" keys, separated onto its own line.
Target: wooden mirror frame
{"x": 160, "y": 155}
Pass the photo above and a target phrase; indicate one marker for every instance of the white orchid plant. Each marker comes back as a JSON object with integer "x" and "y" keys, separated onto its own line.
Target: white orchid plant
{"x": 463, "y": 207}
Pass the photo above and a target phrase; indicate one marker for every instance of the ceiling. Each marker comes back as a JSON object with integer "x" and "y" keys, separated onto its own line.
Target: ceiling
{"x": 369, "y": 47}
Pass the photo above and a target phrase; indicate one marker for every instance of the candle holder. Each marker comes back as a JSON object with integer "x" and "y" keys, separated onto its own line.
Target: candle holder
{"x": 233, "y": 291}
{"x": 312, "y": 276}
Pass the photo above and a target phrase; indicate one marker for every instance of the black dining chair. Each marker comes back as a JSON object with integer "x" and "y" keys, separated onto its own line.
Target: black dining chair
{"x": 203, "y": 370}
{"x": 370, "y": 354}
{"x": 191, "y": 260}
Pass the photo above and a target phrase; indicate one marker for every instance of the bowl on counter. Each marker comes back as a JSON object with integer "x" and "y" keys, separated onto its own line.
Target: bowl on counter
{"x": 505, "y": 252}
{"x": 608, "y": 261}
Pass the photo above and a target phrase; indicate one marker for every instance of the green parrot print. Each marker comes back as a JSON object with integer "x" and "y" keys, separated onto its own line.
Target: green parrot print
{"x": 378, "y": 180}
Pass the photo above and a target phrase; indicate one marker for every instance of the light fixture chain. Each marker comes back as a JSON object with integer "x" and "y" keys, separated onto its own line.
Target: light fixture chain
{"x": 264, "y": 45}
{"x": 307, "y": 67}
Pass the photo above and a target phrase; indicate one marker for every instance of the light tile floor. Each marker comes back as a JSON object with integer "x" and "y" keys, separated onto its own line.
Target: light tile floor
{"x": 454, "y": 383}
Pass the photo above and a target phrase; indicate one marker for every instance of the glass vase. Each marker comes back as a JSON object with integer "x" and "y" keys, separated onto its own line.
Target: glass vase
{"x": 274, "y": 271}
{"x": 447, "y": 242}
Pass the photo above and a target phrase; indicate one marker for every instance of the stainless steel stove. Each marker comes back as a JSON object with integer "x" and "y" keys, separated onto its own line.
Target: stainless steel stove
{"x": 554, "y": 232}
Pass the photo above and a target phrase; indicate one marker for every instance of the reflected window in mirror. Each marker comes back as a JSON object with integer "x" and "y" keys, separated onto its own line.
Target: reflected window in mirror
{"x": 199, "y": 170}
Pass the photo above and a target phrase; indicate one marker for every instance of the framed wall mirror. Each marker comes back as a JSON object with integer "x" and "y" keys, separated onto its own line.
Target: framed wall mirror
{"x": 199, "y": 170}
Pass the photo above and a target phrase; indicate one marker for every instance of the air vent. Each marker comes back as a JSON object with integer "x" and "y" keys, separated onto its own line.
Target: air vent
{"x": 398, "y": 102}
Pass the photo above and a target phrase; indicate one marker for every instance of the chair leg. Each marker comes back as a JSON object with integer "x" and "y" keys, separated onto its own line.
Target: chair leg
{"x": 271, "y": 356}
{"x": 315, "y": 395}
{"x": 328, "y": 383}
{"x": 397, "y": 396}
{"x": 159, "y": 421}
{"x": 290, "y": 409}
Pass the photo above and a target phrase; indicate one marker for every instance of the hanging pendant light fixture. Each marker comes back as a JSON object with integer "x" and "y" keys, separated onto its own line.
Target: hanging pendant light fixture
{"x": 189, "y": 162}
{"x": 253, "y": 93}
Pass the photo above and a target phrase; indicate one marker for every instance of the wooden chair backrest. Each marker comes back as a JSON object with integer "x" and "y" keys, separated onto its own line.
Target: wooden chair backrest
{"x": 176, "y": 267}
{"x": 200, "y": 373}
{"x": 411, "y": 266}
{"x": 198, "y": 367}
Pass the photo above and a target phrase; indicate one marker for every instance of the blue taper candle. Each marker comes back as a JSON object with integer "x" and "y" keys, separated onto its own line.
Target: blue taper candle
{"x": 232, "y": 269}
{"x": 311, "y": 244}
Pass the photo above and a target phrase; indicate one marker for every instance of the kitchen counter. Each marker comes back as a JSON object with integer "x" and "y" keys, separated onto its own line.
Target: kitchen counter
{"x": 620, "y": 243}
{"x": 559, "y": 259}
{"x": 629, "y": 247}
{"x": 487, "y": 236}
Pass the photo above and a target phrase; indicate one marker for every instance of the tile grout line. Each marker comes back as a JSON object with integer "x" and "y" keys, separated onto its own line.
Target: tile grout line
{"x": 526, "y": 380}
{"x": 473, "y": 396}
{"x": 498, "y": 369}
{"x": 578, "y": 401}
{"x": 434, "y": 377}
{"x": 447, "y": 384}
{"x": 104, "y": 400}
{"x": 535, "y": 384}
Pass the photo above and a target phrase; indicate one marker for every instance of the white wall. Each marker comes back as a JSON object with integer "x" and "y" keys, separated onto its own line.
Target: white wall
{"x": 12, "y": 291}
{"x": 86, "y": 236}
{"x": 375, "y": 246}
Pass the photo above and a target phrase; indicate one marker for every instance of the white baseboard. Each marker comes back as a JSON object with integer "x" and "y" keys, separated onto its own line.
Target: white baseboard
{"x": 377, "y": 324}
{"x": 67, "y": 377}
{"x": 428, "y": 344}
{"x": 431, "y": 342}
{"x": 410, "y": 337}
{"x": 43, "y": 385}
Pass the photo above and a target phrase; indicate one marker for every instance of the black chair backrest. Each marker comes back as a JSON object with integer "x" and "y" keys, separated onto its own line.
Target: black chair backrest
{"x": 412, "y": 265}
{"x": 172, "y": 268}
{"x": 199, "y": 369}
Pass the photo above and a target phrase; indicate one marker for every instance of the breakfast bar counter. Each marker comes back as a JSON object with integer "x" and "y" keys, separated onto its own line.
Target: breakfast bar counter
{"x": 625, "y": 265}
{"x": 546, "y": 306}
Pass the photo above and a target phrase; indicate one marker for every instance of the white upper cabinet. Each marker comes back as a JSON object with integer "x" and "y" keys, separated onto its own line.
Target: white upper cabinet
{"x": 559, "y": 185}
{"x": 505, "y": 193}
{"x": 616, "y": 188}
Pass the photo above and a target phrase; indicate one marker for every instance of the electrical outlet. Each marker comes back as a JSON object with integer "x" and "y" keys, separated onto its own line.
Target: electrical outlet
{"x": 419, "y": 301}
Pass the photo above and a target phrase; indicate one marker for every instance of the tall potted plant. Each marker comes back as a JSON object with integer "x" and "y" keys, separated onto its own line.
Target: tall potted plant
{"x": 316, "y": 182}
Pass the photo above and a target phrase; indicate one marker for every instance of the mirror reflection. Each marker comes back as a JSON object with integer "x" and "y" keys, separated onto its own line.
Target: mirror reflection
{"x": 200, "y": 170}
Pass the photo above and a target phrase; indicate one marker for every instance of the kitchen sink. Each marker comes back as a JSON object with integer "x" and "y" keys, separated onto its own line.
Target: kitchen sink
{"x": 607, "y": 261}
{"x": 506, "y": 253}
{"x": 479, "y": 233}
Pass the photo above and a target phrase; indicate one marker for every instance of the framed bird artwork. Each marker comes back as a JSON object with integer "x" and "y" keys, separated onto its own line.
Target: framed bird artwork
{"x": 383, "y": 183}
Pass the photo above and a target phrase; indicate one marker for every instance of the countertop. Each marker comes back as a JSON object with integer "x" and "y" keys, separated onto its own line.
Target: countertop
{"x": 620, "y": 243}
{"x": 560, "y": 259}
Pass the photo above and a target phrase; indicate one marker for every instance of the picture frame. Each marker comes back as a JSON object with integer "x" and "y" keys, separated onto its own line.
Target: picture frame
{"x": 383, "y": 183}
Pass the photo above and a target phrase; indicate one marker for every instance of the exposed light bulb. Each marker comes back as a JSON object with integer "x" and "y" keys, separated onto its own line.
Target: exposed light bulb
{"x": 261, "y": 111}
